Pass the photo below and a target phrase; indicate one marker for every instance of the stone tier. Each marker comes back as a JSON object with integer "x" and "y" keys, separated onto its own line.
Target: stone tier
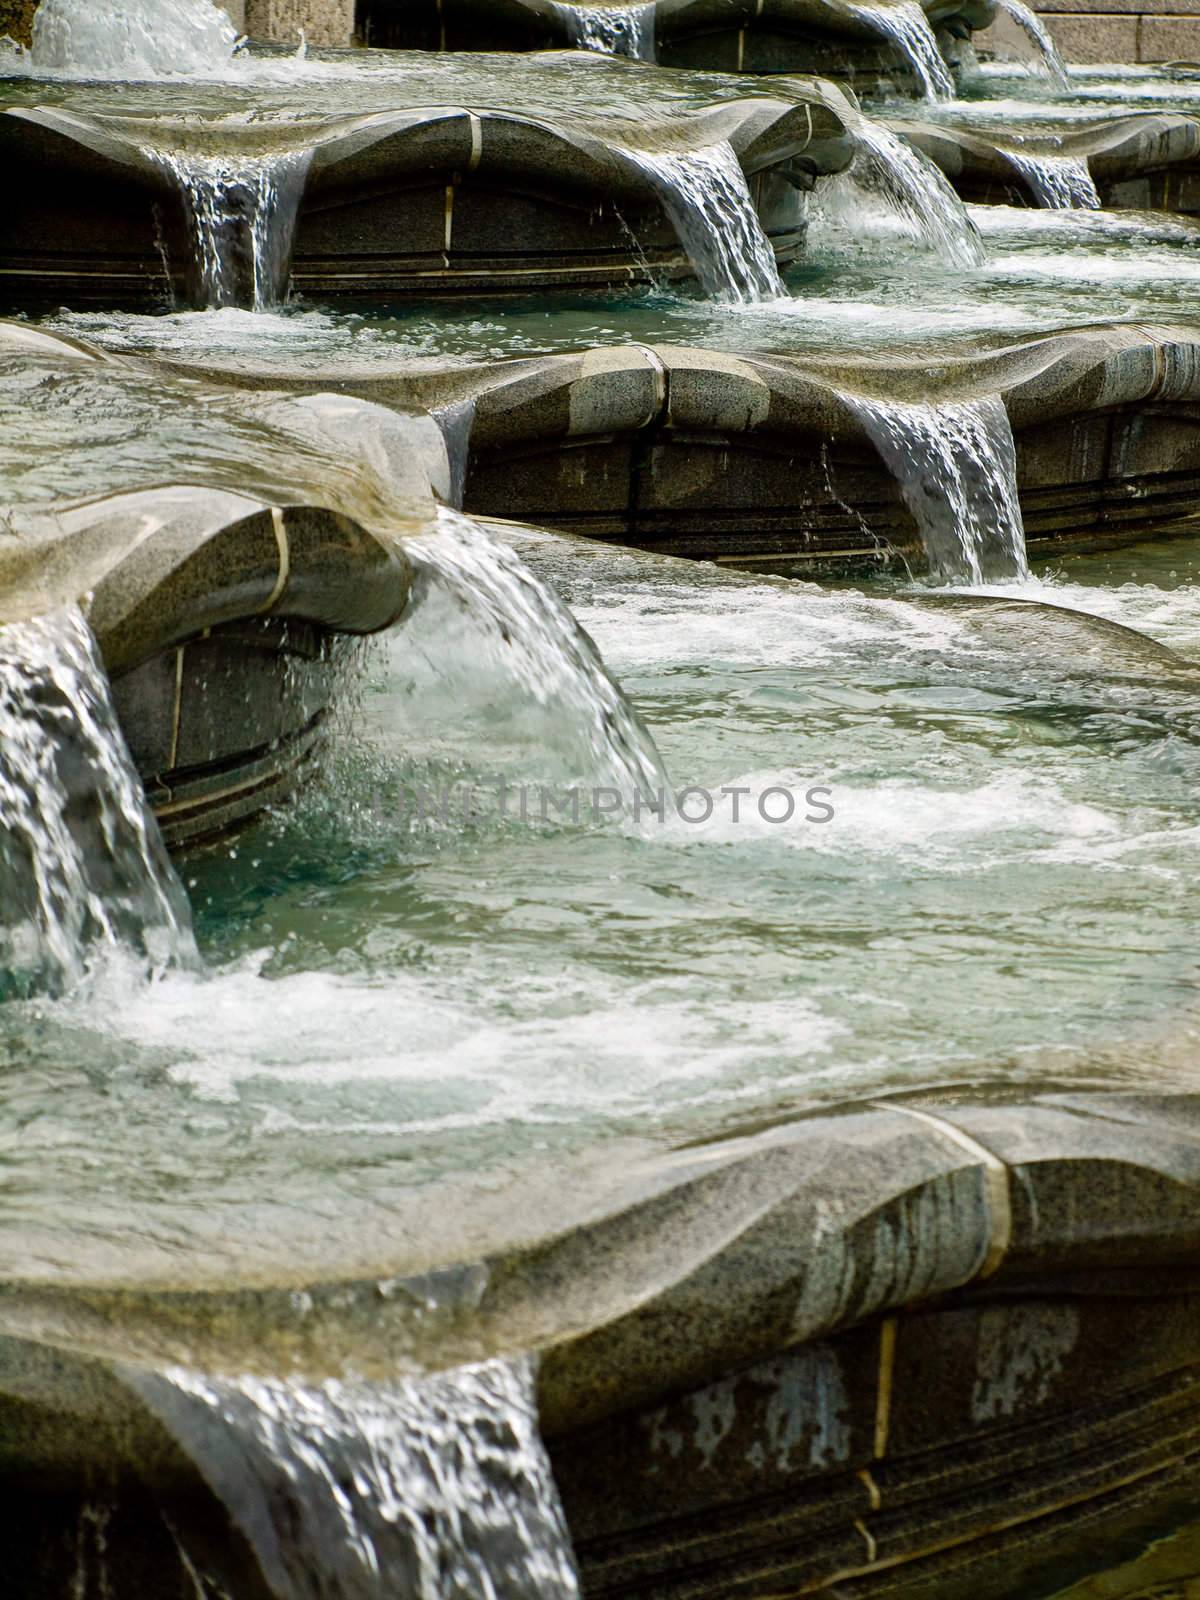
{"x": 434, "y": 201}
{"x": 829, "y": 37}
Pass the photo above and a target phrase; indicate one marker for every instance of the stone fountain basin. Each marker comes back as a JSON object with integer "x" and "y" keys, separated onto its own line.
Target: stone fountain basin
{"x": 217, "y": 612}
{"x": 757, "y": 461}
{"x": 1149, "y": 161}
{"x": 434, "y": 199}
{"x": 935, "y": 1343}
{"x": 823, "y": 36}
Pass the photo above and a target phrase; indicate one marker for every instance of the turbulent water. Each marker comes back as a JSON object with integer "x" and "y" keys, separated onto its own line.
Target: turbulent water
{"x": 81, "y": 862}
{"x": 533, "y": 639}
{"x": 613, "y": 30}
{"x": 904, "y": 24}
{"x": 241, "y": 214}
{"x": 708, "y": 200}
{"x": 907, "y": 185}
{"x": 136, "y": 39}
{"x": 956, "y": 466}
{"x": 1046, "y": 52}
{"x": 1058, "y": 182}
{"x": 430, "y": 1489}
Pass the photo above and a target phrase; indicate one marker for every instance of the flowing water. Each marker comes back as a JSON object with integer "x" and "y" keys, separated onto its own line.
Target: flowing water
{"x": 241, "y": 216}
{"x": 1046, "y": 52}
{"x": 433, "y": 1489}
{"x": 706, "y": 196}
{"x": 956, "y": 465}
{"x": 1059, "y": 182}
{"x": 81, "y": 862}
{"x": 899, "y": 182}
{"x": 137, "y": 39}
{"x": 613, "y": 30}
{"x": 904, "y": 24}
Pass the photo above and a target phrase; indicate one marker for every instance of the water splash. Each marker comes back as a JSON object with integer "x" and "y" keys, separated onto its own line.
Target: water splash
{"x": 904, "y": 24}
{"x": 708, "y": 200}
{"x": 1059, "y": 182}
{"x": 1046, "y": 53}
{"x": 81, "y": 861}
{"x": 435, "y": 1489}
{"x": 138, "y": 39}
{"x": 956, "y": 465}
{"x": 612, "y": 30}
{"x": 241, "y": 215}
{"x": 911, "y": 187}
{"x": 533, "y": 638}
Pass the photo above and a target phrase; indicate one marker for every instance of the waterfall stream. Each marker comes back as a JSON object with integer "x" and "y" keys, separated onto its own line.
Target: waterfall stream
{"x": 612, "y": 30}
{"x": 904, "y": 24}
{"x": 912, "y": 188}
{"x": 1059, "y": 182}
{"x": 1046, "y": 53}
{"x": 241, "y": 215}
{"x": 81, "y": 861}
{"x": 137, "y": 39}
{"x": 708, "y": 200}
{"x": 431, "y": 1489}
{"x": 956, "y": 465}
{"x": 535, "y": 640}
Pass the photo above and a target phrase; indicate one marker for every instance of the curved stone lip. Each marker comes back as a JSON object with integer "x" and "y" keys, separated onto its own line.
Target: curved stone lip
{"x": 1122, "y": 147}
{"x": 630, "y": 387}
{"x": 157, "y": 566}
{"x": 706, "y": 1260}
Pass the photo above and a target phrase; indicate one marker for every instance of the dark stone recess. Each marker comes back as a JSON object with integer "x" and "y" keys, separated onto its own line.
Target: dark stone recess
{"x": 826, "y": 37}
{"x": 929, "y": 1346}
{"x": 1149, "y": 161}
{"x": 427, "y": 202}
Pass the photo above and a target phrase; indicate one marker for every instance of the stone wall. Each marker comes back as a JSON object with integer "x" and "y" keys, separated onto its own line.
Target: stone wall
{"x": 1092, "y": 31}
{"x": 16, "y": 19}
{"x": 323, "y": 22}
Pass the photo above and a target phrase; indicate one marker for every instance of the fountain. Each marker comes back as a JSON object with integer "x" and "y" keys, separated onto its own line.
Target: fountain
{"x": 543, "y": 1056}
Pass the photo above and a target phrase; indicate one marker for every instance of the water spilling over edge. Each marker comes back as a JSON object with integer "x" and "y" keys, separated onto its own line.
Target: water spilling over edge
{"x": 904, "y": 24}
{"x": 81, "y": 860}
{"x": 914, "y": 189}
{"x": 435, "y": 1489}
{"x": 1046, "y": 52}
{"x": 1059, "y": 182}
{"x": 612, "y": 30}
{"x": 137, "y": 39}
{"x": 535, "y": 640}
{"x": 956, "y": 465}
{"x": 708, "y": 200}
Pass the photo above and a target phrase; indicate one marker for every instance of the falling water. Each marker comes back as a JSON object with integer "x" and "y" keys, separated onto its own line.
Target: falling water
{"x": 137, "y": 39}
{"x": 708, "y": 200}
{"x": 913, "y": 189}
{"x": 241, "y": 215}
{"x": 435, "y": 1489}
{"x": 905, "y": 25}
{"x": 81, "y": 861}
{"x": 536, "y": 640}
{"x": 613, "y": 30}
{"x": 1059, "y": 182}
{"x": 956, "y": 465}
{"x": 1034, "y": 29}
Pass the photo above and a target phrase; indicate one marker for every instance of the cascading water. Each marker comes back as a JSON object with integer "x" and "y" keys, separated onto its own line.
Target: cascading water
{"x": 241, "y": 215}
{"x": 956, "y": 465}
{"x": 137, "y": 39}
{"x": 904, "y": 24}
{"x": 1046, "y": 54}
{"x": 612, "y": 30}
{"x": 912, "y": 189}
{"x": 536, "y": 641}
{"x": 707, "y": 198}
{"x": 81, "y": 861}
{"x": 434, "y": 1489}
{"x": 1059, "y": 182}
